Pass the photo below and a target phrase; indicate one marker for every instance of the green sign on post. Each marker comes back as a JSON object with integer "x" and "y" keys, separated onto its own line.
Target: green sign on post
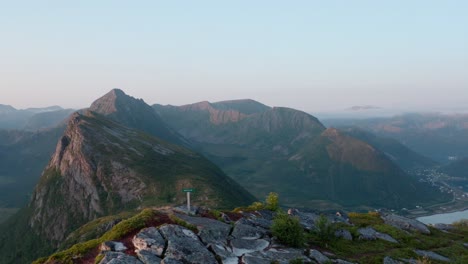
{"x": 188, "y": 191}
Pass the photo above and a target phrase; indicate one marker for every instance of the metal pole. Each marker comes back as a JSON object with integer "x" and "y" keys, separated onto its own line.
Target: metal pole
{"x": 188, "y": 202}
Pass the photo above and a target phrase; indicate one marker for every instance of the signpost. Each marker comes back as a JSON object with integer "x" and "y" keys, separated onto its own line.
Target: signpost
{"x": 188, "y": 191}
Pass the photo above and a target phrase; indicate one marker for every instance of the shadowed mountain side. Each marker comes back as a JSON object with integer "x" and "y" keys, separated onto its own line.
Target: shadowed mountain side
{"x": 400, "y": 154}
{"x": 292, "y": 153}
{"x": 134, "y": 113}
{"x": 437, "y": 136}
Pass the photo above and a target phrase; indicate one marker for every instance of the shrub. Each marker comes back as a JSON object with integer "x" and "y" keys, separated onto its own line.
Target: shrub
{"x": 272, "y": 202}
{"x": 325, "y": 230}
{"x": 288, "y": 230}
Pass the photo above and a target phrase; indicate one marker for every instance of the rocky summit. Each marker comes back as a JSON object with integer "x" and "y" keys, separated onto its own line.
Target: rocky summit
{"x": 167, "y": 235}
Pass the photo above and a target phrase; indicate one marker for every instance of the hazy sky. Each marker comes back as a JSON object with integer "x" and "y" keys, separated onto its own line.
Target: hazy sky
{"x": 310, "y": 55}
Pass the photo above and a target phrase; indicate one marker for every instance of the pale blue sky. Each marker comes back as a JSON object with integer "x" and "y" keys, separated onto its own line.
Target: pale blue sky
{"x": 310, "y": 55}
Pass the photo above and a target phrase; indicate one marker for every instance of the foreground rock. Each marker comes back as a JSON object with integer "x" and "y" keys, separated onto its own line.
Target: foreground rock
{"x": 318, "y": 256}
{"x": 184, "y": 246}
{"x": 118, "y": 258}
{"x": 113, "y": 246}
{"x": 150, "y": 240}
{"x": 369, "y": 233}
{"x": 210, "y": 231}
{"x": 405, "y": 223}
{"x": 431, "y": 255}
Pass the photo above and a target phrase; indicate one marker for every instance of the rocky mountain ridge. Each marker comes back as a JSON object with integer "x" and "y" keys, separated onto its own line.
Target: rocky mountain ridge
{"x": 100, "y": 167}
{"x": 299, "y": 157}
{"x": 170, "y": 236}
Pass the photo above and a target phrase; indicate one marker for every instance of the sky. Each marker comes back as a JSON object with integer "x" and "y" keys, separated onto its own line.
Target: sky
{"x": 309, "y": 55}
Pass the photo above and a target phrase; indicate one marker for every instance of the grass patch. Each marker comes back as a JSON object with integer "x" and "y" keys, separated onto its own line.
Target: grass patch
{"x": 183, "y": 223}
{"x": 136, "y": 222}
{"x": 365, "y": 219}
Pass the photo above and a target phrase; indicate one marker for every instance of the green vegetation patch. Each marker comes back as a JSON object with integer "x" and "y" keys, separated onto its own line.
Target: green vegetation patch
{"x": 136, "y": 222}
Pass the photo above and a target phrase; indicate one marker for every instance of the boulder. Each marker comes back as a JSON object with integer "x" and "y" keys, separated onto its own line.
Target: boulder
{"x": 255, "y": 260}
{"x": 118, "y": 258}
{"x": 282, "y": 255}
{"x": 210, "y": 231}
{"x": 225, "y": 254}
{"x": 443, "y": 227}
{"x": 149, "y": 239}
{"x": 112, "y": 246}
{"x": 405, "y": 223}
{"x": 369, "y": 233}
{"x": 243, "y": 246}
{"x": 243, "y": 229}
{"x": 184, "y": 246}
{"x": 307, "y": 220}
{"x": 343, "y": 233}
{"x": 465, "y": 245}
{"x": 148, "y": 257}
{"x": 431, "y": 255}
{"x": 318, "y": 256}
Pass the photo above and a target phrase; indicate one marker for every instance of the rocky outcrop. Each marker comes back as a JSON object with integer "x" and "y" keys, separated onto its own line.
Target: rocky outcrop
{"x": 120, "y": 258}
{"x": 184, "y": 246}
{"x": 100, "y": 167}
{"x": 343, "y": 233}
{"x": 369, "y": 233}
{"x": 431, "y": 255}
{"x": 405, "y": 223}
{"x": 149, "y": 240}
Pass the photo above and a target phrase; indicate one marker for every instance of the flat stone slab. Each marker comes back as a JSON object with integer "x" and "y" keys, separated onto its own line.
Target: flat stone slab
{"x": 226, "y": 254}
{"x": 282, "y": 255}
{"x": 149, "y": 239}
{"x": 389, "y": 260}
{"x": 148, "y": 257}
{"x": 244, "y": 246}
{"x": 183, "y": 245}
{"x": 431, "y": 255}
{"x": 369, "y": 233}
{"x": 210, "y": 231}
{"x": 405, "y": 223}
{"x": 118, "y": 258}
{"x": 318, "y": 256}
{"x": 244, "y": 230}
{"x": 255, "y": 260}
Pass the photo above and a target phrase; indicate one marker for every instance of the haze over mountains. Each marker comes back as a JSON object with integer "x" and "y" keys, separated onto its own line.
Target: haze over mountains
{"x": 440, "y": 137}
{"x": 122, "y": 154}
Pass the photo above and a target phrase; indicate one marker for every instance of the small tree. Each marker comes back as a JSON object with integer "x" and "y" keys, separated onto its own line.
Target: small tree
{"x": 325, "y": 230}
{"x": 272, "y": 202}
{"x": 288, "y": 230}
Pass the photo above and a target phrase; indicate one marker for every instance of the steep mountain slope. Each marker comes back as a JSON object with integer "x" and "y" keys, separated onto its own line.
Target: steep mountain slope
{"x": 100, "y": 168}
{"x": 403, "y": 156}
{"x": 437, "y": 136}
{"x": 134, "y": 113}
{"x": 292, "y": 153}
{"x": 23, "y": 155}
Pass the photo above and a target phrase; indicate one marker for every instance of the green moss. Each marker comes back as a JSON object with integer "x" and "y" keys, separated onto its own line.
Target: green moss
{"x": 183, "y": 223}
{"x": 118, "y": 231}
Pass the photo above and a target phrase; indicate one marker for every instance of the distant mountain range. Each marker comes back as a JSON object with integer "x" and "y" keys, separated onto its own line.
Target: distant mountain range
{"x": 31, "y": 119}
{"x": 440, "y": 137}
{"x": 292, "y": 153}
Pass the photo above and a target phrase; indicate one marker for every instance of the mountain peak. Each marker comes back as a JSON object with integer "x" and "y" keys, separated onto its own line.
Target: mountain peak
{"x": 134, "y": 113}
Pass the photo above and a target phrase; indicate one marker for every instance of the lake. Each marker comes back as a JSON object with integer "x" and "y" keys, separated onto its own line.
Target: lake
{"x": 446, "y": 218}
